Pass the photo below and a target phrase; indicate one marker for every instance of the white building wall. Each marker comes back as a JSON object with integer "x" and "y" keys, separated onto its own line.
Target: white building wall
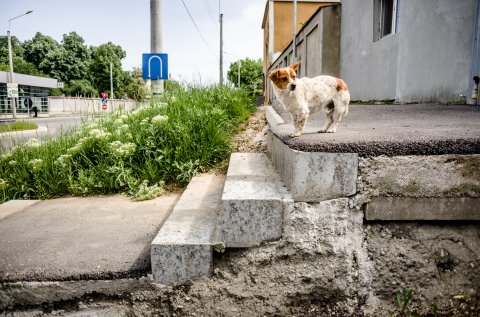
{"x": 427, "y": 60}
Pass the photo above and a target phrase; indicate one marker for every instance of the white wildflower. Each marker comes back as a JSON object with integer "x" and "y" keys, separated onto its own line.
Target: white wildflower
{"x": 122, "y": 149}
{"x": 3, "y": 184}
{"x": 99, "y": 134}
{"x": 92, "y": 125}
{"x": 5, "y": 157}
{"x": 123, "y": 117}
{"x": 33, "y": 143}
{"x": 35, "y": 164}
{"x": 12, "y": 163}
{"x": 63, "y": 159}
{"x": 159, "y": 120}
{"x": 118, "y": 122}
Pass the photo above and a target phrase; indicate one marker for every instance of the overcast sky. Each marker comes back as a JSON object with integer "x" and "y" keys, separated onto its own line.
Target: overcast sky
{"x": 127, "y": 23}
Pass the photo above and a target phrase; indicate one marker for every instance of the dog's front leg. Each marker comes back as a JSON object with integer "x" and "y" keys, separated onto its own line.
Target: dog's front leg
{"x": 299, "y": 122}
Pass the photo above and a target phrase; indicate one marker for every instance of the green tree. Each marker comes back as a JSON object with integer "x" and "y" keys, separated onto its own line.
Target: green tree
{"x": 77, "y": 57}
{"x": 136, "y": 88}
{"x": 81, "y": 87}
{"x": 17, "y": 49}
{"x": 100, "y": 67}
{"x": 46, "y": 54}
{"x": 19, "y": 64}
{"x": 250, "y": 74}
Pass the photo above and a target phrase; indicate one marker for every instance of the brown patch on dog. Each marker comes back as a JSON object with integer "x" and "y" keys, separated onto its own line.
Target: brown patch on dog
{"x": 341, "y": 85}
{"x": 280, "y": 77}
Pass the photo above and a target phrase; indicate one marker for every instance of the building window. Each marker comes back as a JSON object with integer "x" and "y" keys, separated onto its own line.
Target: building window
{"x": 386, "y": 17}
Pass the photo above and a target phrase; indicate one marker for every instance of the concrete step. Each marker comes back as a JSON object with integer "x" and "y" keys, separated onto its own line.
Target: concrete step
{"x": 254, "y": 201}
{"x": 183, "y": 247}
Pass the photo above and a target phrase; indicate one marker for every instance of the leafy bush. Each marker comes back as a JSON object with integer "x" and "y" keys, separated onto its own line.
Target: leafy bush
{"x": 188, "y": 129}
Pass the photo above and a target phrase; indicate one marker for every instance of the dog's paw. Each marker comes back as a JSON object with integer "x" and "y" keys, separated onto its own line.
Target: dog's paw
{"x": 322, "y": 131}
{"x": 331, "y": 130}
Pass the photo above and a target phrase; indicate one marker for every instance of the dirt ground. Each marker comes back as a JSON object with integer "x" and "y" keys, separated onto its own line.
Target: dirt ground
{"x": 252, "y": 137}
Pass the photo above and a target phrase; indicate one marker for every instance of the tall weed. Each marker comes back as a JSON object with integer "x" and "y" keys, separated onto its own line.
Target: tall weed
{"x": 186, "y": 130}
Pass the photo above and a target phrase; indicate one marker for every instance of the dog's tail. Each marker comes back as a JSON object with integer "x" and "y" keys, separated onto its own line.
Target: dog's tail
{"x": 342, "y": 89}
{"x": 341, "y": 85}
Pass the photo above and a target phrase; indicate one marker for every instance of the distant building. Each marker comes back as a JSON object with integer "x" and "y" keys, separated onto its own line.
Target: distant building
{"x": 33, "y": 87}
{"x": 402, "y": 50}
{"x": 277, "y": 27}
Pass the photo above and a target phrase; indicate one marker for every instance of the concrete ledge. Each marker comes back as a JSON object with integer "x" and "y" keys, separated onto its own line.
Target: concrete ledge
{"x": 254, "y": 201}
{"x": 405, "y": 208}
{"x": 273, "y": 118}
{"x": 182, "y": 249}
{"x": 314, "y": 176}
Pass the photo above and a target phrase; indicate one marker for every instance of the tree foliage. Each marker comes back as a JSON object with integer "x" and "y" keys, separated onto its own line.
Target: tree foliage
{"x": 83, "y": 70}
{"x": 250, "y": 74}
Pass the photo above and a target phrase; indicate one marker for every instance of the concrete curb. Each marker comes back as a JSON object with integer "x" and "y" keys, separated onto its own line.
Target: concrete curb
{"x": 314, "y": 176}
{"x": 273, "y": 118}
{"x": 183, "y": 247}
{"x": 254, "y": 202}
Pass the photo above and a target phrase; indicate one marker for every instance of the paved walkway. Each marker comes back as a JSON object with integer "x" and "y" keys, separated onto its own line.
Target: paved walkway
{"x": 79, "y": 238}
{"x": 416, "y": 129}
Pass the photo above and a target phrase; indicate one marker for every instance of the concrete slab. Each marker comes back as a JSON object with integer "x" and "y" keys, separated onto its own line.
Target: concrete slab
{"x": 254, "y": 201}
{"x": 10, "y": 207}
{"x": 80, "y": 238}
{"x": 406, "y": 208}
{"x": 373, "y": 130}
{"x": 182, "y": 249}
{"x": 312, "y": 176}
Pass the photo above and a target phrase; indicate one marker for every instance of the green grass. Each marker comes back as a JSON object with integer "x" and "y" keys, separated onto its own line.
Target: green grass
{"x": 187, "y": 130}
{"x": 17, "y": 126}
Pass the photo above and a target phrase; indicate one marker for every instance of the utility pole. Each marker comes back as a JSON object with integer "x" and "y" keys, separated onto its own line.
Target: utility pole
{"x": 10, "y": 61}
{"x": 156, "y": 41}
{"x": 111, "y": 82}
{"x": 239, "y": 66}
{"x": 294, "y": 31}
{"x": 221, "y": 49}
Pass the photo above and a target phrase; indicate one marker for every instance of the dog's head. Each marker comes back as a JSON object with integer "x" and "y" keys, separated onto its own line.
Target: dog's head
{"x": 285, "y": 78}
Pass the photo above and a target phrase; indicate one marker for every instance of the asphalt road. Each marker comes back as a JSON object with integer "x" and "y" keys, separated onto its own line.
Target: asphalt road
{"x": 49, "y": 127}
{"x": 416, "y": 129}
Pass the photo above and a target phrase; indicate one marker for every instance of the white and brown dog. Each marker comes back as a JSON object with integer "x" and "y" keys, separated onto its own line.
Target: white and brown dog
{"x": 304, "y": 96}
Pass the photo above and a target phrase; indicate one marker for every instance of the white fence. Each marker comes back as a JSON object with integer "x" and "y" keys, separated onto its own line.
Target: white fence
{"x": 77, "y": 105}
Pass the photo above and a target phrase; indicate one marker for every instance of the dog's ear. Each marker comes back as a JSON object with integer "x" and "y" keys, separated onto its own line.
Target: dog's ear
{"x": 295, "y": 66}
{"x": 273, "y": 75}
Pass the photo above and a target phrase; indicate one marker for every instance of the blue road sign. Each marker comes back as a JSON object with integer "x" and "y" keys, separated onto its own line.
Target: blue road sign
{"x": 155, "y": 66}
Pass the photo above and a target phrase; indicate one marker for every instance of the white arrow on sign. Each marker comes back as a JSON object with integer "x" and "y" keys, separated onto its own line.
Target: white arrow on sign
{"x": 150, "y": 62}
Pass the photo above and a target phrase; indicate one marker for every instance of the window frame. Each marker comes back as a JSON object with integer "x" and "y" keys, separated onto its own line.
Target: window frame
{"x": 380, "y": 15}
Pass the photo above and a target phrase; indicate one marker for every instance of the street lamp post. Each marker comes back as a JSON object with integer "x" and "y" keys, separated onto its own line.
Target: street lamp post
{"x": 10, "y": 61}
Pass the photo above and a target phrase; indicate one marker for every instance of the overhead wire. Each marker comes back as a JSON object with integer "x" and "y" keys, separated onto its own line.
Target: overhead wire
{"x": 209, "y": 10}
{"x": 196, "y": 27}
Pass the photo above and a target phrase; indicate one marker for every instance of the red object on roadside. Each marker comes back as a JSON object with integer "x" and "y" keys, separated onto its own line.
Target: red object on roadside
{"x": 104, "y": 106}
